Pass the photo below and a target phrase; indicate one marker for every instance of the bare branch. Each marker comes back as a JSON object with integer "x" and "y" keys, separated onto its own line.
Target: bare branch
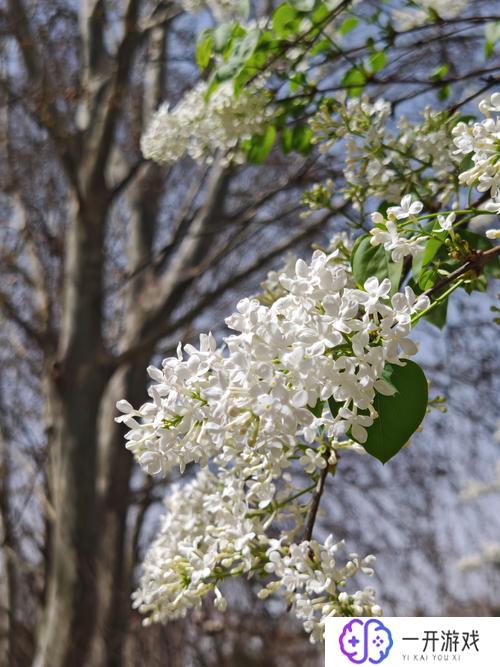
{"x": 103, "y": 128}
{"x": 44, "y": 94}
{"x": 11, "y": 312}
{"x": 127, "y": 179}
{"x": 167, "y": 328}
{"x": 93, "y": 20}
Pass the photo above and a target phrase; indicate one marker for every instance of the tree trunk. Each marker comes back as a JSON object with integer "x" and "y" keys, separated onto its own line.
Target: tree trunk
{"x": 115, "y": 557}
{"x": 77, "y": 383}
{"x": 115, "y": 560}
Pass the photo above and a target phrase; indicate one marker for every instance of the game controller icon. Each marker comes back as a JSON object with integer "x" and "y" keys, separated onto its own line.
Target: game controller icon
{"x": 369, "y": 641}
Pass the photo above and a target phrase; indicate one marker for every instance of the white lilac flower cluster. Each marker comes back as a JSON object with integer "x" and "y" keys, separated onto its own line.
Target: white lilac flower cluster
{"x": 481, "y": 141}
{"x": 210, "y": 533}
{"x": 205, "y": 535}
{"x": 247, "y": 405}
{"x": 311, "y": 577}
{"x": 383, "y": 162}
{"x": 390, "y": 231}
{"x": 271, "y": 287}
{"x": 421, "y": 12}
{"x": 250, "y": 411}
{"x": 202, "y": 127}
{"x": 221, "y": 9}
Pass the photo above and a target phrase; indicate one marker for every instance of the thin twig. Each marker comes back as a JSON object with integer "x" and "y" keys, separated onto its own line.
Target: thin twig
{"x": 311, "y": 519}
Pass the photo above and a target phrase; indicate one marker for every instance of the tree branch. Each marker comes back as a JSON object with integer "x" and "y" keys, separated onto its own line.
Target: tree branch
{"x": 93, "y": 20}
{"x": 477, "y": 260}
{"x": 103, "y": 130}
{"x": 313, "y": 510}
{"x": 168, "y": 327}
{"x": 43, "y": 90}
{"x": 12, "y": 312}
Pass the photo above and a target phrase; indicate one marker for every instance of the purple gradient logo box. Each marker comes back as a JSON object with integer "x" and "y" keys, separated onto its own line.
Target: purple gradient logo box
{"x": 369, "y": 641}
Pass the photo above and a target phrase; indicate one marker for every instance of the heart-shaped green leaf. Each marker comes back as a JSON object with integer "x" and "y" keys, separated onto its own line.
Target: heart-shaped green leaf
{"x": 399, "y": 415}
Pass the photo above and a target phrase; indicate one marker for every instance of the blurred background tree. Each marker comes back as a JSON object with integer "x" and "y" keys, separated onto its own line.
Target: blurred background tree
{"x": 106, "y": 262}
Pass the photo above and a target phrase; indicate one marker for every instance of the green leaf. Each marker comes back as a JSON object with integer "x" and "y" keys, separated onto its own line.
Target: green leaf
{"x": 466, "y": 163}
{"x": 428, "y": 278}
{"x": 260, "y": 145}
{"x": 400, "y": 415}
{"x": 493, "y": 268}
{"x": 422, "y": 259}
{"x": 480, "y": 284}
{"x": 204, "y": 47}
{"x": 387, "y": 376}
{"x": 367, "y": 261}
{"x": 222, "y": 34}
{"x": 492, "y": 36}
{"x": 286, "y": 139}
{"x": 348, "y": 24}
{"x": 444, "y": 92}
{"x": 437, "y": 316}
{"x": 432, "y": 247}
{"x": 321, "y": 13}
{"x": 297, "y": 80}
{"x": 416, "y": 264}
{"x": 465, "y": 118}
{"x": 301, "y": 138}
{"x": 438, "y": 75}
{"x": 476, "y": 241}
{"x": 285, "y": 20}
{"x": 246, "y": 46}
{"x": 242, "y": 51}
{"x": 354, "y": 81}
{"x": 440, "y": 72}
{"x": 377, "y": 61}
{"x": 321, "y": 46}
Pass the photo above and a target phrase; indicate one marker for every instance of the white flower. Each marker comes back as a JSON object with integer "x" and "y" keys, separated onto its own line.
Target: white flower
{"x": 492, "y": 104}
{"x": 381, "y": 162}
{"x": 312, "y": 580}
{"x": 312, "y": 460}
{"x": 222, "y": 9}
{"x": 493, "y": 233}
{"x": 390, "y": 238}
{"x": 420, "y": 13}
{"x": 446, "y": 223}
{"x": 482, "y": 140}
{"x": 201, "y": 127}
{"x": 406, "y": 209}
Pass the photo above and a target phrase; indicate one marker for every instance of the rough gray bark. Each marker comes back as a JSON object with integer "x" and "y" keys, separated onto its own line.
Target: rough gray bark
{"x": 78, "y": 380}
